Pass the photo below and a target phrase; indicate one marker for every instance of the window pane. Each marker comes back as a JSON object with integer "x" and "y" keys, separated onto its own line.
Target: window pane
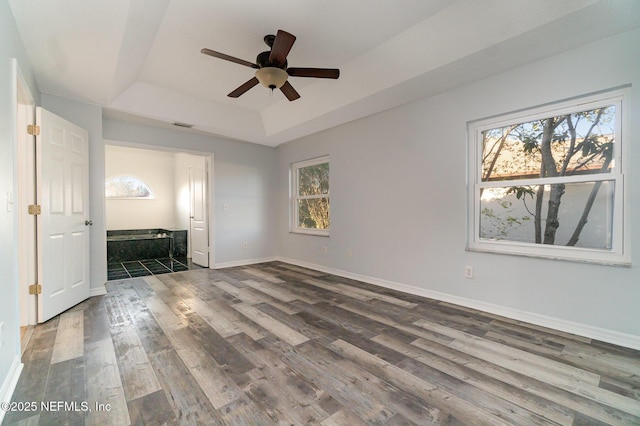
{"x": 313, "y": 180}
{"x": 584, "y": 217}
{"x": 564, "y": 145}
{"x": 313, "y": 213}
{"x": 127, "y": 187}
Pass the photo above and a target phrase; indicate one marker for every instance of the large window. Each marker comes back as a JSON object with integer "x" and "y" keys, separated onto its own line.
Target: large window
{"x": 310, "y": 196}
{"x": 549, "y": 182}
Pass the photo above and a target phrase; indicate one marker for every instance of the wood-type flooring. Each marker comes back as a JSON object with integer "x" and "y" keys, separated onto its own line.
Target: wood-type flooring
{"x": 278, "y": 344}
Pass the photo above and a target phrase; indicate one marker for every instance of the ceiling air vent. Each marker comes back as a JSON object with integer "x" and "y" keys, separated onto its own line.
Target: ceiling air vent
{"x": 188, "y": 126}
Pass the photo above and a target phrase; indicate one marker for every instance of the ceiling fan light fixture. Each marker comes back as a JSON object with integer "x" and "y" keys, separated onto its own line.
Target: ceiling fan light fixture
{"x": 272, "y": 77}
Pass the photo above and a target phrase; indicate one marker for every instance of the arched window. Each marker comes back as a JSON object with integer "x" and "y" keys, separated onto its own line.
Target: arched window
{"x": 127, "y": 187}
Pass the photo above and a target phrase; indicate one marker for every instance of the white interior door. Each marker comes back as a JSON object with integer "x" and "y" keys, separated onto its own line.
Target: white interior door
{"x": 198, "y": 217}
{"x": 62, "y": 160}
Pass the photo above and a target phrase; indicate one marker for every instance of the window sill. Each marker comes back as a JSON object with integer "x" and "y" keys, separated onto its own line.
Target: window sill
{"x": 310, "y": 232}
{"x": 588, "y": 256}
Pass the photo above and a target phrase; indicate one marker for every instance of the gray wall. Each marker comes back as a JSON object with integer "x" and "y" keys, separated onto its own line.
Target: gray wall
{"x": 398, "y": 197}
{"x": 244, "y": 179}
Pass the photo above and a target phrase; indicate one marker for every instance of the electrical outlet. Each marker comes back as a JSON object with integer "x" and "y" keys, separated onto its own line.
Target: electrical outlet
{"x": 324, "y": 249}
{"x": 245, "y": 245}
{"x": 1, "y": 334}
{"x": 468, "y": 271}
{"x": 225, "y": 206}
{"x": 349, "y": 253}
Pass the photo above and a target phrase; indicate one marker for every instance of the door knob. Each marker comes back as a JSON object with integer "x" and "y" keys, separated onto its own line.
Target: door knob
{"x": 88, "y": 222}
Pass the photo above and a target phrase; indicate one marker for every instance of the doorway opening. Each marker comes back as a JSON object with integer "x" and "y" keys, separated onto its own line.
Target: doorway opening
{"x": 157, "y": 211}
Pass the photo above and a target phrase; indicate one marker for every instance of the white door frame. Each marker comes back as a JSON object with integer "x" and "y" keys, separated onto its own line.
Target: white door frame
{"x": 209, "y": 159}
{"x": 26, "y": 174}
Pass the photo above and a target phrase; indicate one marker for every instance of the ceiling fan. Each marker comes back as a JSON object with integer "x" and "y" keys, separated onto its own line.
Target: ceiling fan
{"x": 273, "y": 71}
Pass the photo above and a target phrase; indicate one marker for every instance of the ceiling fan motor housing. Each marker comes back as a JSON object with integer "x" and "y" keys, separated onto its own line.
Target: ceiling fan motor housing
{"x": 263, "y": 61}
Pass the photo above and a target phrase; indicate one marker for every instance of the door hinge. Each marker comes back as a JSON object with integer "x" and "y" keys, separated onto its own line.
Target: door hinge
{"x": 35, "y": 209}
{"x": 35, "y": 289}
{"x": 33, "y": 129}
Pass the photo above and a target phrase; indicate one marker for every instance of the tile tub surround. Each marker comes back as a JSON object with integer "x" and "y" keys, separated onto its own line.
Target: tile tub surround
{"x": 141, "y": 244}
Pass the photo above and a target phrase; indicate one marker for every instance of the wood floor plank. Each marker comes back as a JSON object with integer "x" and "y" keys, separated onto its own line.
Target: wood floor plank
{"x": 621, "y": 387}
{"x": 535, "y": 387}
{"x": 165, "y": 317}
{"x": 217, "y": 386}
{"x": 275, "y": 343}
{"x": 343, "y": 417}
{"x": 372, "y": 399}
{"x": 574, "y": 380}
{"x": 65, "y": 383}
{"x": 337, "y": 289}
{"x": 96, "y": 325}
{"x": 104, "y": 385}
{"x": 263, "y": 275}
{"x": 248, "y": 297}
{"x": 238, "y": 320}
{"x": 69, "y": 342}
{"x": 411, "y": 329}
{"x": 217, "y": 346}
{"x": 546, "y": 408}
{"x": 275, "y": 386}
{"x": 137, "y": 373}
{"x": 267, "y": 322}
{"x": 300, "y": 269}
{"x": 429, "y": 392}
{"x": 151, "y": 409}
{"x": 271, "y": 290}
{"x": 218, "y": 321}
{"x": 188, "y": 401}
{"x": 530, "y": 364}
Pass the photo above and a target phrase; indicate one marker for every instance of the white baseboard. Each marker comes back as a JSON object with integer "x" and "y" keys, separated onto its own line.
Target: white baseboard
{"x": 605, "y": 335}
{"x": 244, "y": 262}
{"x": 98, "y": 291}
{"x": 10, "y": 382}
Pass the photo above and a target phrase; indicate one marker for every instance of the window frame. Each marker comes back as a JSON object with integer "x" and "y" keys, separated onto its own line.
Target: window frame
{"x": 295, "y": 197}
{"x": 619, "y": 254}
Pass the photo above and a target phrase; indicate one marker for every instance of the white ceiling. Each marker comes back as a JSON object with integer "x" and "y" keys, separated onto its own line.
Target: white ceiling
{"x": 141, "y": 58}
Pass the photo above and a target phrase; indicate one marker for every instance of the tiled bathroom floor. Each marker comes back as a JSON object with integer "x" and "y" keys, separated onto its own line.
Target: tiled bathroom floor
{"x": 140, "y": 268}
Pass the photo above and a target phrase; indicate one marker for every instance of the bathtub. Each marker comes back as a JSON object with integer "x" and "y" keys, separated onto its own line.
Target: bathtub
{"x": 140, "y": 244}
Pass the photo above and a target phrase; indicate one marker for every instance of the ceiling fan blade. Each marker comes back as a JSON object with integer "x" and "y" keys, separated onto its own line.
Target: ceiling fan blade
{"x": 244, "y": 88}
{"x": 227, "y": 57}
{"x": 289, "y": 91}
{"x": 281, "y": 47}
{"x": 314, "y": 72}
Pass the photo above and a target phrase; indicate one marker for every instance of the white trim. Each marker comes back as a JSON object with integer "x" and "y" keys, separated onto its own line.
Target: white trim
{"x": 244, "y": 262}
{"x": 25, "y": 172}
{"x": 99, "y": 291}
{"x": 603, "y": 334}
{"x": 294, "y": 197}
{"x": 10, "y": 382}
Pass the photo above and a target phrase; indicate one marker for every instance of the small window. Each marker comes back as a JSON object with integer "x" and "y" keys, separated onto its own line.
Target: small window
{"x": 127, "y": 187}
{"x": 549, "y": 182}
{"x": 310, "y": 196}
